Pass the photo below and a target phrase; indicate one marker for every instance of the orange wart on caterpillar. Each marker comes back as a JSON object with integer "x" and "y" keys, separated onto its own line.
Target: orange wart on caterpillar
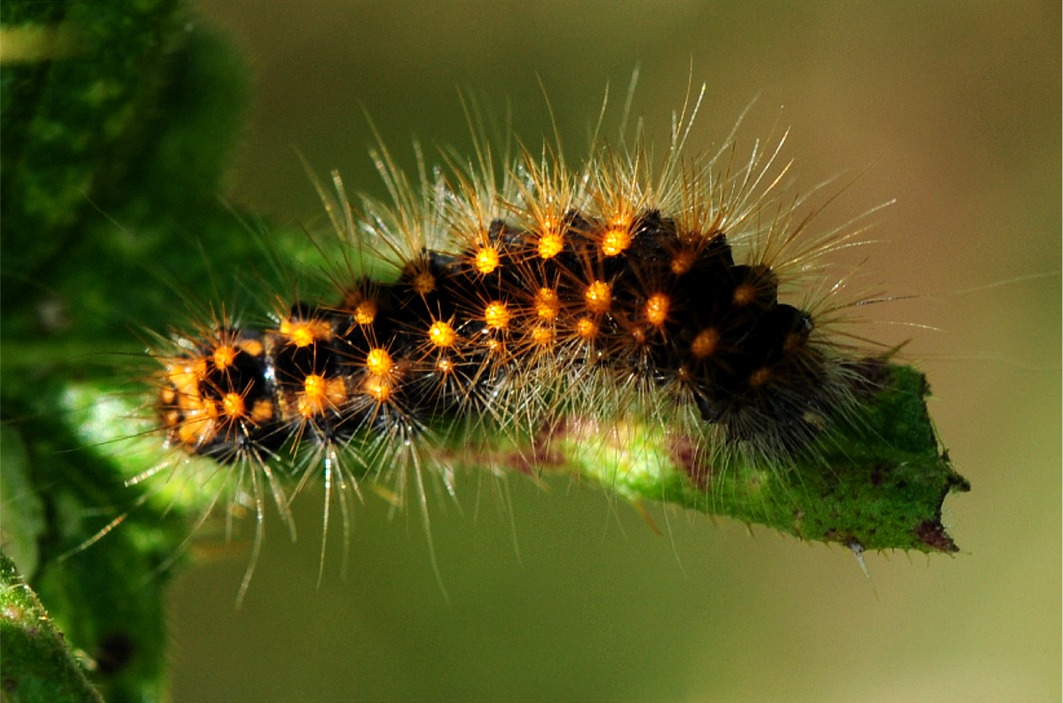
{"x": 665, "y": 328}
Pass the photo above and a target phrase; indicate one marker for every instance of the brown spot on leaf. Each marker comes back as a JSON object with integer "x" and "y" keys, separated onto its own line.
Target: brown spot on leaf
{"x": 542, "y": 457}
{"x": 932, "y": 533}
{"x": 694, "y": 462}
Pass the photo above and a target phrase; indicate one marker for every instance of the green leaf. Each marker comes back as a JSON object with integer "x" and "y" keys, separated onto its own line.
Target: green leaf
{"x": 37, "y": 665}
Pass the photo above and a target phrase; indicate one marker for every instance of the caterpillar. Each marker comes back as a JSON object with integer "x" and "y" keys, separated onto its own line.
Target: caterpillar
{"x": 515, "y": 314}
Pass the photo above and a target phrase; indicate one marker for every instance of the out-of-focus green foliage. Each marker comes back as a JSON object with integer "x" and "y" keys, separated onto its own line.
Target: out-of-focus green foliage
{"x": 117, "y": 118}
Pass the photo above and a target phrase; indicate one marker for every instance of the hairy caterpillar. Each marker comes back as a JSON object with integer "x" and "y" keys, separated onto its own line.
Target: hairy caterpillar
{"x": 519, "y": 314}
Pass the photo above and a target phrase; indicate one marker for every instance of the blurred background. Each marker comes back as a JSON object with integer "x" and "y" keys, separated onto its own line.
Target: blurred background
{"x": 952, "y": 109}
